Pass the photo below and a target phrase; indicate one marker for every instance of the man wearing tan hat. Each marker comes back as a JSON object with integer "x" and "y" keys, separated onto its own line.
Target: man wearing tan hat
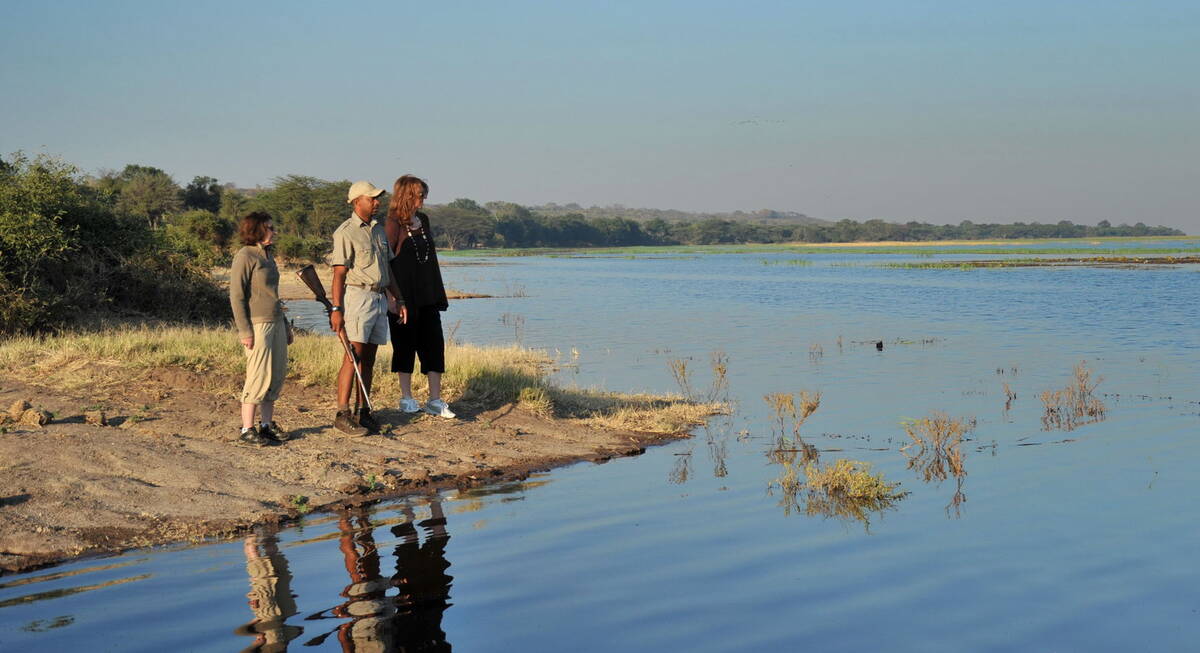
{"x": 361, "y": 277}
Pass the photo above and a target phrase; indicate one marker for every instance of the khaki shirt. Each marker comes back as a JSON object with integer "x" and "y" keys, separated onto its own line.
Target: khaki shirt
{"x": 363, "y": 248}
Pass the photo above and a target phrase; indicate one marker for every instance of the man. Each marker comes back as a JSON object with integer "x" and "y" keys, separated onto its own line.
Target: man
{"x": 361, "y": 276}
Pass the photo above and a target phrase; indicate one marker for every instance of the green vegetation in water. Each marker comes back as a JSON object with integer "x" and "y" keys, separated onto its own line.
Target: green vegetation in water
{"x": 1045, "y": 262}
{"x": 845, "y": 489}
{"x": 799, "y": 262}
{"x": 1117, "y": 246}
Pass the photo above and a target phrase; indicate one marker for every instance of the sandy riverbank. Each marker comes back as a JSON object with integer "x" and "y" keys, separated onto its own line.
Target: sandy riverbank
{"x": 166, "y": 468}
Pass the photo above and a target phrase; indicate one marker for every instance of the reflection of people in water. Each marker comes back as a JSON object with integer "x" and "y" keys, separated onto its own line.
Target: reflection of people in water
{"x": 411, "y": 621}
{"x": 423, "y": 582}
{"x": 367, "y": 606}
{"x": 270, "y": 595}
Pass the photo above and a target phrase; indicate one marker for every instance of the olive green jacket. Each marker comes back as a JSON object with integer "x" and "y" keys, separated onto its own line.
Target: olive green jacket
{"x": 254, "y": 288}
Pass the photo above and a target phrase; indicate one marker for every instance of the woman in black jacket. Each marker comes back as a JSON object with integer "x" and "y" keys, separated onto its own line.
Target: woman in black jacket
{"x": 415, "y": 268}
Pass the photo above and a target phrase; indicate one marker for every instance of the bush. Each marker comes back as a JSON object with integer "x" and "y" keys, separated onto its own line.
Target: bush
{"x": 201, "y": 235}
{"x": 311, "y": 249}
{"x": 66, "y": 253}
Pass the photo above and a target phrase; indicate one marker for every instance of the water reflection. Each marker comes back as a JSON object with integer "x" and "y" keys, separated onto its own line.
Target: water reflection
{"x": 270, "y": 596}
{"x": 424, "y": 585}
{"x": 411, "y": 619}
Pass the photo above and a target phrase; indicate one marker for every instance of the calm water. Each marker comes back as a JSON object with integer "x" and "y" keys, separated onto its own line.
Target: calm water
{"x": 1075, "y": 541}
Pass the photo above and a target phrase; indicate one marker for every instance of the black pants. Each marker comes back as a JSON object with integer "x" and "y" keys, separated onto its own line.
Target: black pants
{"x": 422, "y": 337}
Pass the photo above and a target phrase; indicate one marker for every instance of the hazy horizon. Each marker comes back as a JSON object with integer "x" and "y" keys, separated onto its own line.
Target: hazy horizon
{"x": 927, "y": 110}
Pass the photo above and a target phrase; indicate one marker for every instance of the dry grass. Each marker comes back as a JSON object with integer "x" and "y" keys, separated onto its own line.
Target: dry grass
{"x": 937, "y": 441}
{"x": 485, "y": 377}
{"x": 718, "y": 389}
{"x": 1074, "y": 405}
{"x": 787, "y": 414}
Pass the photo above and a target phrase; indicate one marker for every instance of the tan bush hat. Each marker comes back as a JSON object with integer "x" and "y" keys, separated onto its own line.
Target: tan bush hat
{"x": 362, "y": 188}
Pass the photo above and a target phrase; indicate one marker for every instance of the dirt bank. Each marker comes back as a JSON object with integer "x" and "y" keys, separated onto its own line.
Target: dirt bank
{"x": 166, "y": 468}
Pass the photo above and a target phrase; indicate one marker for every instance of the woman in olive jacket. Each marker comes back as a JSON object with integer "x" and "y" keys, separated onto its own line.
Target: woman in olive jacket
{"x": 262, "y": 328}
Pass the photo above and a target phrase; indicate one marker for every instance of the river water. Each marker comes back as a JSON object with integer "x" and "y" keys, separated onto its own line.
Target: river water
{"x": 1046, "y": 539}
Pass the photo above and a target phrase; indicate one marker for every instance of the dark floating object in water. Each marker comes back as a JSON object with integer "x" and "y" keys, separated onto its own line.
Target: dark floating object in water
{"x": 879, "y": 345}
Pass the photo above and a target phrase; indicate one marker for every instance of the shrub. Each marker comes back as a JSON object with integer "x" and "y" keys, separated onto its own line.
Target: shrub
{"x": 66, "y": 253}
{"x": 310, "y": 249}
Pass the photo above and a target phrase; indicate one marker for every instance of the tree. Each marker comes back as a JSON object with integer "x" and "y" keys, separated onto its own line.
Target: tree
{"x": 233, "y": 205}
{"x": 461, "y": 224}
{"x": 148, "y": 193}
{"x": 203, "y": 193}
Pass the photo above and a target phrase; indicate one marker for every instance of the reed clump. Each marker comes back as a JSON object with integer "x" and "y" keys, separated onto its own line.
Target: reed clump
{"x": 850, "y": 479}
{"x": 1074, "y": 405}
{"x": 936, "y": 448}
{"x": 847, "y": 489}
{"x": 718, "y": 389}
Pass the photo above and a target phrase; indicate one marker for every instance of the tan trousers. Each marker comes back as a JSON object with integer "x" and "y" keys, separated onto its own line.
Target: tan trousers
{"x": 266, "y": 363}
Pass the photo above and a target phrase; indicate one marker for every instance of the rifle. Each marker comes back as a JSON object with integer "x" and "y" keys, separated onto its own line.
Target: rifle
{"x": 309, "y": 276}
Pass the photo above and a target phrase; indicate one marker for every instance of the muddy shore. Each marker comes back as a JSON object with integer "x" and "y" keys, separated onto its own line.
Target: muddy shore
{"x": 166, "y": 467}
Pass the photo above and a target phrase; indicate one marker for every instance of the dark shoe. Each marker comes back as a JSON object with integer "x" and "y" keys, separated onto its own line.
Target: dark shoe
{"x": 345, "y": 423}
{"x": 252, "y": 437}
{"x": 273, "y": 433}
{"x": 367, "y": 421}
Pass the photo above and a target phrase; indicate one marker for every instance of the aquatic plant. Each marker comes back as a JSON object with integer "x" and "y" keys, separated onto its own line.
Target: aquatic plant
{"x": 816, "y": 352}
{"x": 718, "y": 390}
{"x": 1010, "y": 396}
{"x": 682, "y": 470}
{"x": 1074, "y": 405}
{"x": 938, "y": 454}
{"x": 847, "y": 489}
{"x": 937, "y": 441}
{"x": 786, "y": 412}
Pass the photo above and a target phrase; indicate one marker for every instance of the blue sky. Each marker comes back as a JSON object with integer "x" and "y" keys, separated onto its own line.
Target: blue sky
{"x": 927, "y": 110}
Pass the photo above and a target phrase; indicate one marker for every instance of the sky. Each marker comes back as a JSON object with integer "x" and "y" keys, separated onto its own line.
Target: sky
{"x": 929, "y": 110}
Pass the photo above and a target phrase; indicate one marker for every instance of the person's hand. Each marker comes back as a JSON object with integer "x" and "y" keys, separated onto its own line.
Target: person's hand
{"x": 337, "y": 321}
{"x": 392, "y": 305}
{"x": 248, "y": 342}
{"x": 403, "y": 313}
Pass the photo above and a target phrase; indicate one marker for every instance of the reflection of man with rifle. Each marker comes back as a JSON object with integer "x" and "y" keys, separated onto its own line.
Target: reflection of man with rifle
{"x": 362, "y": 284}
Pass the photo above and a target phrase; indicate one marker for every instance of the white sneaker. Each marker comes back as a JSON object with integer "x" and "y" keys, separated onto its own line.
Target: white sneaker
{"x": 439, "y": 408}
{"x": 409, "y": 405}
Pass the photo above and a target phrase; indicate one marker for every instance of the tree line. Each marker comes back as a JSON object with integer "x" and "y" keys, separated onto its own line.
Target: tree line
{"x": 136, "y": 234}
{"x": 201, "y": 217}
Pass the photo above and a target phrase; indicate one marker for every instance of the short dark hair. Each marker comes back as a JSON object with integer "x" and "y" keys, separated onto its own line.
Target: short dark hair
{"x": 253, "y": 228}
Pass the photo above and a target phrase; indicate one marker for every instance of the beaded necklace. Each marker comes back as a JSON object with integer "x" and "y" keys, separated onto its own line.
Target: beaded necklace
{"x": 413, "y": 238}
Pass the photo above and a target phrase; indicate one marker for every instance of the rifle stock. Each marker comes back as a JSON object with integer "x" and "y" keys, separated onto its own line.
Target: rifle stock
{"x": 308, "y": 275}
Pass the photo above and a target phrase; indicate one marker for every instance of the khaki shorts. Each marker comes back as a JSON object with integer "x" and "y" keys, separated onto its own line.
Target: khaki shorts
{"x": 366, "y": 316}
{"x": 266, "y": 363}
